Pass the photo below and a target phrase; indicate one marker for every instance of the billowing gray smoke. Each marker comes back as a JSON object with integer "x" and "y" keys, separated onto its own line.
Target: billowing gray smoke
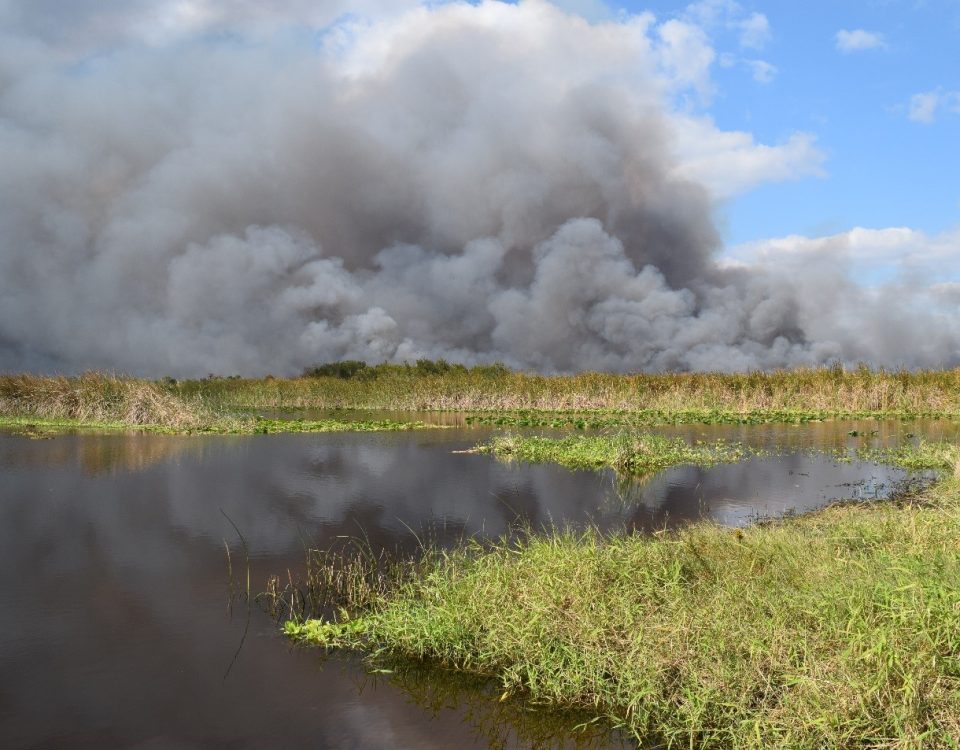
{"x": 475, "y": 183}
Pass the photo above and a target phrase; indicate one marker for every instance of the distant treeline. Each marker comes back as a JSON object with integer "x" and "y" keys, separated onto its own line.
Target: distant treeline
{"x": 348, "y": 369}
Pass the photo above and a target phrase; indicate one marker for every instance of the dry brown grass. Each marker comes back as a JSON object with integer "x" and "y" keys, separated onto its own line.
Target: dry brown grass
{"x": 98, "y": 398}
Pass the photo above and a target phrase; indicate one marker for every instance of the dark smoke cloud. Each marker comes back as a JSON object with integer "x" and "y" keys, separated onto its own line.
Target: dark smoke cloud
{"x": 476, "y": 183}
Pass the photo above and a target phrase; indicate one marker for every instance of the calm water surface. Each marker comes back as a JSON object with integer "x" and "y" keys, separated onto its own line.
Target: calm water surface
{"x": 116, "y": 631}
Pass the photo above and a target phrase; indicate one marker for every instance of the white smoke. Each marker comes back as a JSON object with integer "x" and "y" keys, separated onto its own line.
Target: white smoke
{"x": 255, "y": 190}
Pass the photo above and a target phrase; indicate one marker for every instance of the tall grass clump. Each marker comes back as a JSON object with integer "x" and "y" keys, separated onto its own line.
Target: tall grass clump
{"x": 99, "y": 398}
{"x": 840, "y": 629}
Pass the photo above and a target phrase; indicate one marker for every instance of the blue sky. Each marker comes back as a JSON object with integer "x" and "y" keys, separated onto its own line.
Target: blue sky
{"x": 882, "y": 167}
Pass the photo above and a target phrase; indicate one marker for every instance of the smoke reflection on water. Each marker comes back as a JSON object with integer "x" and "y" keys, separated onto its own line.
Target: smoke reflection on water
{"x": 112, "y": 561}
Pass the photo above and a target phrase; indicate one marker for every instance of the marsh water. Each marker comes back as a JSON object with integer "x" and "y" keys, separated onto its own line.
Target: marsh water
{"x": 116, "y": 628}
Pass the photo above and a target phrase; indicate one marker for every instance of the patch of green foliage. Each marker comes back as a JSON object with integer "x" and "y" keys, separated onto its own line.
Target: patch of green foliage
{"x": 924, "y": 454}
{"x": 344, "y": 369}
{"x": 349, "y": 369}
{"x": 326, "y": 634}
{"x": 839, "y": 629}
{"x": 637, "y": 454}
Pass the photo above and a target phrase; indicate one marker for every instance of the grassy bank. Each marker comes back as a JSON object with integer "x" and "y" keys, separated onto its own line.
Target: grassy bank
{"x": 99, "y": 401}
{"x": 838, "y": 629}
{"x": 782, "y": 395}
{"x": 636, "y": 454}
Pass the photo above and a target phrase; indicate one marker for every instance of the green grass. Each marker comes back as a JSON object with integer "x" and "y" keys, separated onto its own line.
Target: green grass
{"x": 637, "y": 454}
{"x": 236, "y": 426}
{"x": 840, "y": 629}
{"x": 924, "y": 454}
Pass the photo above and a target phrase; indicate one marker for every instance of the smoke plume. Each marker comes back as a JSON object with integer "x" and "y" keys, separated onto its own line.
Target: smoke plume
{"x": 183, "y": 195}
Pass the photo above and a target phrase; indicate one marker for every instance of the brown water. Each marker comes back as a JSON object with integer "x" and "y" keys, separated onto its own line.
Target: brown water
{"x": 115, "y": 629}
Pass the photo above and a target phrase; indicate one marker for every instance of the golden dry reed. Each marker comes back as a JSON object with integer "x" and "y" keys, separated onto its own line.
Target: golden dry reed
{"x": 96, "y": 398}
{"x": 831, "y": 390}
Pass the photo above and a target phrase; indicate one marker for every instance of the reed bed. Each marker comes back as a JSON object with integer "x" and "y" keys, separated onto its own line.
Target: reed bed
{"x": 104, "y": 401}
{"x": 840, "y": 629}
{"x": 96, "y": 398}
{"x": 494, "y": 394}
{"x": 823, "y": 391}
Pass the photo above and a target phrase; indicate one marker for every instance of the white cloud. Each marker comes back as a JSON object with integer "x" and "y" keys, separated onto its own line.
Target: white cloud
{"x": 925, "y": 105}
{"x": 763, "y": 72}
{"x": 732, "y": 162}
{"x": 858, "y": 40}
{"x": 719, "y": 22}
{"x": 709, "y": 13}
{"x": 754, "y": 31}
{"x": 686, "y": 56}
{"x": 901, "y": 251}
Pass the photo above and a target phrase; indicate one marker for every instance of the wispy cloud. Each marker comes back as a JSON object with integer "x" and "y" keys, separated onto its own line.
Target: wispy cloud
{"x": 763, "y": 72}
{"x": 754, "y": 31}
{"x": 721, "y": 22}
{"x": 925, "y": 105}
{"x": 858, "y": 40}
{"x": 730, "y": 163}
{"x": 896, "y": 250}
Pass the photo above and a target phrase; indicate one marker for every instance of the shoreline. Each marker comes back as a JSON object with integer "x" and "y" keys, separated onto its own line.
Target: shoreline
{"x": 833, "y": 629}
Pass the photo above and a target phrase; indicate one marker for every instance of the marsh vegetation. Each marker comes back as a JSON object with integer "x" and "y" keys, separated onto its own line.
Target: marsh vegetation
{"x": 635, "y": 454}
{"x": 836, "y": 629}
{"x": 426, "y": 385}
{"x": 489, "y": 395}
{"x": 664, "y": 633}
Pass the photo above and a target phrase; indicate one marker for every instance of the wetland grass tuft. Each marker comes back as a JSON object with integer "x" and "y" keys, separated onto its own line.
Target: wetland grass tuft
{"x": 839, "y": 629}
{"x": 924, "y": 454}
{"x": 636, "y": 454}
